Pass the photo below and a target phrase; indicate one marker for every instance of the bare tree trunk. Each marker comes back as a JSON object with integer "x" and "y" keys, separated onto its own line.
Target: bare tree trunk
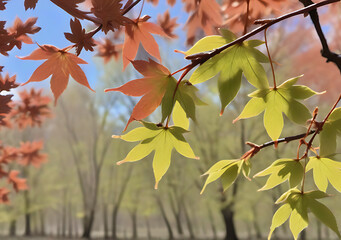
{"x": 319, "y": 232}
{"x": 105, "y": 221}
{"x": 58, "y": 226}
{"x": 114, "y": 222}
{"x": 28, "y": 231}
{"x": 117, "y": 204}
{"x": 42, "y": 223}
{"x": 134, "y": 222}
{"x": 165, "y": 218}
{"x": 12, "y": 228}
{"x": 76, "y": 228}
{"x": 189, "y": 223}
{"x": 88, "y": 223}
{"x": 70, "y": 228}
{"x": 228, "y": 216}
{"x": 212, "y": 223}
{"x": 149, "y": 233}
{"x": 64, "y": 214}
{"x": 177, "y": 214}
{"x": 256, "y": 225}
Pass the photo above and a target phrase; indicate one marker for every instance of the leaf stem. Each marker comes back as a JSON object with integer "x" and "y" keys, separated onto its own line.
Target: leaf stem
{"x": 131, "y": 6}
{"x": 141, "y": 10}
{"x": 271, "y": 63}
{"x": 320, "y": 127}
{"x": 184, "y": 73}
{"x": 304, "y": 174}
{"x": 302, "y": 140}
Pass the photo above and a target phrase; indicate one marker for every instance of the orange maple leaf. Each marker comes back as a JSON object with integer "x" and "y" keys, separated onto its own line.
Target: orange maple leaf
{"x": 168, "y": 24}
{"x": 2, "y": 4}
{"x": 4, "y": 195}
{"x": 7, "y": 82}
{"x": 30, "y": 4}
{"x": 108, "y": 50}
{"x": 80, "y": 37}
{"x": 152, "y": 87}
{"x": 8, "y": 154}
{"x": 60, "y": 64}
{"x": 71, "y": 7}
{"x": 139, "y": 31}
{"x": 30, "y": 154}
{"x": 110, "y": 14}
{"x": 18, "y": 183}
{"x": 206, "y": 16}
{"x": 19, "y": 30}
{"x": 31, "y": 110}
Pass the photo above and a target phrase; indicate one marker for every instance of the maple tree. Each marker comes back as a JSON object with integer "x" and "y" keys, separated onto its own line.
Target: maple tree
{"x": 222, "y": 53}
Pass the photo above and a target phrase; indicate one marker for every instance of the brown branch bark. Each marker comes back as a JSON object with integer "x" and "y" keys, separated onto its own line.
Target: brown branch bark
{"x": 325, "y": 52}
{"x": 200, "y": 58}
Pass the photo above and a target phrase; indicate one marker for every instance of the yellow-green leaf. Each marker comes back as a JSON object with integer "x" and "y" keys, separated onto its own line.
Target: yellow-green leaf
{"x": 280, "y": 171}
{"x": 179, "y": 116}
{"x": 161, "y": 141}
{"x": 275, "y": 102}
{"x": 279, "y": 218}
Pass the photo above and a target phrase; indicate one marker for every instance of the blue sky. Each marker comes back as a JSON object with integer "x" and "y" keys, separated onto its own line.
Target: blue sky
{"x": 54, "y": 22}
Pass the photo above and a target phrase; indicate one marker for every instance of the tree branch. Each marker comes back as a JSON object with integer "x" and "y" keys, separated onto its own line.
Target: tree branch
{"x": 256, "y": 148}
{"x": 286, "y": 139}
{"x": 325, "y": 52}
{"x": 200, "y": 58}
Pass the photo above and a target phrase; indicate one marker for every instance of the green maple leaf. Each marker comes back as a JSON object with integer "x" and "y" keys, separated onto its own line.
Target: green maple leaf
{"x": 161, "y": 140}
{"x": 185, "y": 96}
{"x": 280, "y": 171}
{"x": 227, "y": 171}
{"x": 296, "y": 206}
{"x": 324, "y": 170}
{"x": 331, "y": 129}
{"x": 230, "y": 63}
{"x": 275, "y": 102}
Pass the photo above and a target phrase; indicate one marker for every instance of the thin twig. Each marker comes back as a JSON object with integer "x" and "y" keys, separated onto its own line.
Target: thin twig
{"x": 200, "y": 58}
{"x": 272, "y": 66}
{"x": 325, "y": 52}
{"x": 130, "y": 7}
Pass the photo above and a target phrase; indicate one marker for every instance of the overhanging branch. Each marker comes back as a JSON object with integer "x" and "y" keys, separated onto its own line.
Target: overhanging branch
{"x": 325, "y": 52}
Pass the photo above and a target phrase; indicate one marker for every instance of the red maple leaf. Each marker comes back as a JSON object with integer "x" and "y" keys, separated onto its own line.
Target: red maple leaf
{"x": 19, "y": 31}
{"x": 110, "y": 14}
{"x": 8, "y": 154}
{"x": 7, "y": 82}
{"x": 80, "y": 37}
{"x": 258, "y": 9}
{"x": 6, "y": 40}
{"x": 167, "y": 24}
{"x": 154, "y": 2}
{"x": 30, "y": 4}
{"x": 2, "y": 4}
{"x": 18, "y": 183}
{"x": 31, "y": 110}
{"x": 30, "y": 154}
{"x": 4, "y": 106}
{"x": 139, "y": 31}
{"x": 60, "y": 64}
{"x": 108, "y": 50}
{"x": 207, "y": 16}
{"x": 4, "y": 195}
{"x": 152, "y": 87}
{"x": 71, "y": 7}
